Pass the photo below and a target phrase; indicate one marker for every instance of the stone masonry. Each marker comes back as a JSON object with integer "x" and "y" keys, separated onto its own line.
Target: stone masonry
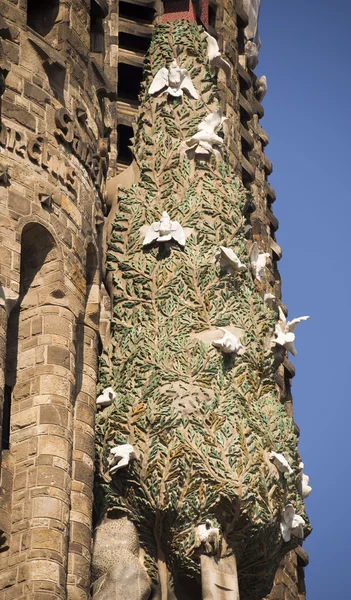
{"x": 70, "y": 72}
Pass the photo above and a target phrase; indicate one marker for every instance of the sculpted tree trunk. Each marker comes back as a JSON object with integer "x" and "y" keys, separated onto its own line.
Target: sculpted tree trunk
{"x": 198, "y": 483}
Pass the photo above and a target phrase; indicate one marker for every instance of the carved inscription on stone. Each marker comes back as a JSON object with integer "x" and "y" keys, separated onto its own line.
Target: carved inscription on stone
{"x": 39, "y": 150}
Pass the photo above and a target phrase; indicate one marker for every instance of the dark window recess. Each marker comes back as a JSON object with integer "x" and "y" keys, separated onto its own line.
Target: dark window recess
{"x": 272, "y": 231}
{"x": 6, "y": 416}
{"x": 241, "y": 41}
{"x": 42, "y": 14}
{"x": 136, "y": 13}
{"x": 197, "y": 5}
{"x": 97, "y": 40}
{"x": 129, "y": 81}
{"x": 124, "y": 153}
{"x": 245, "y": 147}
{"x": 56, "y": 75}
{"x": 136, "y": 43}
{"x": 212, "y": 10}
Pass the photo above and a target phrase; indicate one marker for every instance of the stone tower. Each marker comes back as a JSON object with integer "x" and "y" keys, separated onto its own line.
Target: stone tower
{"x": 90, "y": 158}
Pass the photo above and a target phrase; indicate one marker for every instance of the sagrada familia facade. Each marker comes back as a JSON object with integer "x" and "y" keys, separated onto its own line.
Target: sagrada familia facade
{"x": 149, "y": 450}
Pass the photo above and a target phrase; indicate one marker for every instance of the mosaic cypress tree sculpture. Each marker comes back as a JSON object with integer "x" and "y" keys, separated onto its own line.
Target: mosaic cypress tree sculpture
{"x": 197, "y": 414}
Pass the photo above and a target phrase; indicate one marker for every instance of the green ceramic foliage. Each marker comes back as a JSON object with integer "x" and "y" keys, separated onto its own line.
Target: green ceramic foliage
{"x": 202, "y": 423}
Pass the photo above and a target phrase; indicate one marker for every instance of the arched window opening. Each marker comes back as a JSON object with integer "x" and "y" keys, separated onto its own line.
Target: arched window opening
{"x": 38, "y": 249}
{"x": 42, "y": 14}
{"x": 212, "y": 10}
{"x": 56, "y": 75}
{"x": 38, "y": 256}
{"x": 129, "y": 81}
{"x": 124, "y": 153}
{"x": 97, "y": 34}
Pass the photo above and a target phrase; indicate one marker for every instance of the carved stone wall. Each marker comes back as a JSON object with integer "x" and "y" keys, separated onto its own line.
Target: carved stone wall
{"x": 248, "y": 155}
{"x": 61, "y": 127}
{"x": 60, "y": 88}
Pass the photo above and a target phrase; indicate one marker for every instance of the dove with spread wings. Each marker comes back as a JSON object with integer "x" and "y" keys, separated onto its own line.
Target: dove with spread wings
{"x": 173, "y": 80}
{"x": 284, "y": 332}
{"x": 164, "y": 230}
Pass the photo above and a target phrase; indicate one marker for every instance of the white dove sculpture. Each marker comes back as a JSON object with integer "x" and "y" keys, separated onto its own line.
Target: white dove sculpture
{"x": 280, "y": 462}
{"x": 258, "y": 261}
{"x": 205, "y": 138}
{"x": 291, "y": 524}
{"x": 120, "y": 456}
{"x": 206, "y": 534}
{"x": 261, "y": 88}
{"x": 173, "y": 80}
{"x": 164, "y": 230}
{"x": 302, "y": 486}
{"x": 251, "y": 52}
{"x": 227, "y": 259}
{"x": 229, "y": 344}
{"x": 106, "y": 398}
{"x": 284, "y": 332}
{"x": 215, "y": 58}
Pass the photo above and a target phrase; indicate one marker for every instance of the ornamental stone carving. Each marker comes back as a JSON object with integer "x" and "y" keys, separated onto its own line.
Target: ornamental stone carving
{"x": 198, "y": 421}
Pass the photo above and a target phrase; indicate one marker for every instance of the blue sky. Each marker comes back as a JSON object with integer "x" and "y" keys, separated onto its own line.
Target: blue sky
{"x": 306, "y": 57}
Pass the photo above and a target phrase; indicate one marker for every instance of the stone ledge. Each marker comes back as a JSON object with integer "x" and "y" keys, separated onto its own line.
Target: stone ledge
{"x": 302, "y": 556}
{"x": 246, "y": 111}
{"x": 272, "y": 219}
{"x": 270, "y": 193}
{"x": 289, "y": 367}
{"x": 246, "y": 136}
{"x": 257, "y": 108}
{"x": 244, "y": 78}
{"x": 242, "y": 18}
{"x": 130, "y": 57}
{"x": 267, "y": 165}
{"x": 135, "y": 27}
{"x": 248, "y": 171}
{"x": 263, "y": 136}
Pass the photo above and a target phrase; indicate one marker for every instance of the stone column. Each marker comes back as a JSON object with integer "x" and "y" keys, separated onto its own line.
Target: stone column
{"x": 41, "y": 441}
{"x": 8, "y": 298}
{"x": 3, "y": 328}
{"x": 79, "y": 558}
{"x": 83, "y": 473}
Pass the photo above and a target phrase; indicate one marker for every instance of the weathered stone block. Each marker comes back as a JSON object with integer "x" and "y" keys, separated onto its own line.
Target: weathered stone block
{"x": 25, "y": 418}
{"x": 8, "y": 578}
{"x": 10, "y": 51}
{"x": 18, "y": 204}
{"x": 46, "y": 507}
{"x": 36, "y": 94}
{"x": 16, "y": 113}
{"x": 277, "y": 593}
{"x": 46, "y": 539}
{"x": 55, "y": 385}
{"x": 54, "y": 445}
{"x": 85, "y": 443}
{"x": 53, "y": 413}
{"x": 59, "y": 355}
{"x": 83, "y": 473}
